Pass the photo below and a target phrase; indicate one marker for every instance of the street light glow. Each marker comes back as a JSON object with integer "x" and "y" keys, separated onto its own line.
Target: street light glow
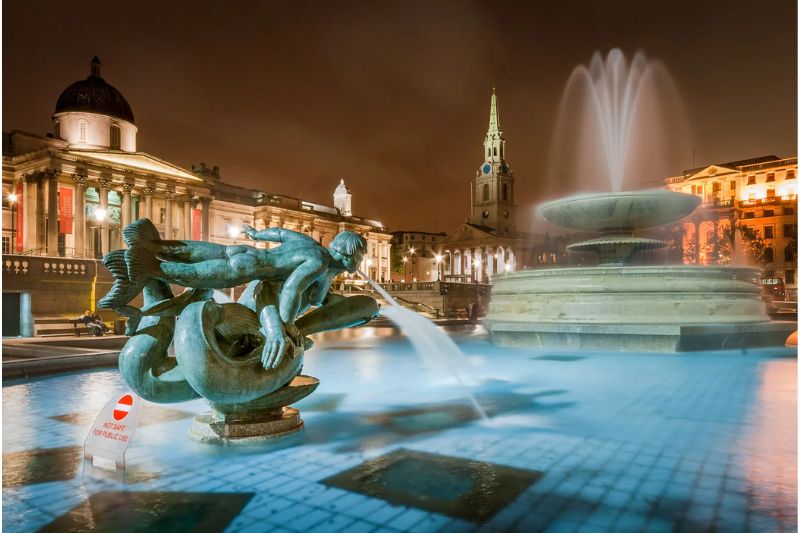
{"x": 234, "y": 231}
{"x": 12, "y": 197}
{"x": 411, "y": 250}
{"x": 405, "y": 259}
{"x": 369, "y": 262}
{"x": 100, "y": 214}
{"x": 438, "y": 258}
{"x": 478, "y": 261}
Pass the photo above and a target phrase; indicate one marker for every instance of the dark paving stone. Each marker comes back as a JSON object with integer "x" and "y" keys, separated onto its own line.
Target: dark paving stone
{"x": 434, "y": 417}
{"x": 150, "y": 415}
{"x": 470, "y": 490}
{"x": 562, "y": 358}
{"x": 152, "y": 512}
{"x": 41, "y": 465}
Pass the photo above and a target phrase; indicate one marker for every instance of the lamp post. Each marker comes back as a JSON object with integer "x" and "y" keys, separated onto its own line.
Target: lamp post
{"x": 405, "y": 269}
{"x": 477, "y": 269}
{"x": 100, "y": 216}
{"x": 411, "y": 252}
{"x": 438, "y": 258}
{"x": 12, "y": 199}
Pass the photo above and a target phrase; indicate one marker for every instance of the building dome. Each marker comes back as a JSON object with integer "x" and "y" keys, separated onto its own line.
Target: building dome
{"x": 94, "y": 95}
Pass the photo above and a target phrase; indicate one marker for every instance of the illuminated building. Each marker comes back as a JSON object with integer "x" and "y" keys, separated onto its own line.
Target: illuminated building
{"x": 759, "y": 194}
{"x": 69, "y": 194}
{"x": 416, "y": 256}
{"x": 489, "y": 240}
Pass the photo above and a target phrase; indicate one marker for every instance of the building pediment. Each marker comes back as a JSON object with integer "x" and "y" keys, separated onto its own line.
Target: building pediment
{"x": 470, "y": 232}
{"x": 711, "y": 171}
{"x": 137, "y": 161}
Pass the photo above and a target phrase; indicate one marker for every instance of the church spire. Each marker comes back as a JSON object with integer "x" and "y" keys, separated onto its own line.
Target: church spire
{"x": 494, "y": 144}
{"x": 494, "y": 116}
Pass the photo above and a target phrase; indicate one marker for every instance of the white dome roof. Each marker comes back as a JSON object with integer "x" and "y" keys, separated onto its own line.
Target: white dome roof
{"x": 341, "y": 188}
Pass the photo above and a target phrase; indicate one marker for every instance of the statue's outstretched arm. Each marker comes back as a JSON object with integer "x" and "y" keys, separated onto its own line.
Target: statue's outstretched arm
{"x": 275, "y": 235}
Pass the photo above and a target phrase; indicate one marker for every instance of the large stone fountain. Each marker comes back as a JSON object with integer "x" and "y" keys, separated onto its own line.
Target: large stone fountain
{"x": 621, "y": 307}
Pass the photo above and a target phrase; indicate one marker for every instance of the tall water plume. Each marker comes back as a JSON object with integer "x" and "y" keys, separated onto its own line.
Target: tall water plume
{"x": 620, "y": 125}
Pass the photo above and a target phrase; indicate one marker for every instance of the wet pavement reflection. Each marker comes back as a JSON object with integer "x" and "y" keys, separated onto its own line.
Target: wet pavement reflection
{"x": 573, "y": 440}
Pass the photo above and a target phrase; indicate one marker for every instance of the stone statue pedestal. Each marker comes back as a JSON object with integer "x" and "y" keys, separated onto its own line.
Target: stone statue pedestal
{"x": 259, "y": 420}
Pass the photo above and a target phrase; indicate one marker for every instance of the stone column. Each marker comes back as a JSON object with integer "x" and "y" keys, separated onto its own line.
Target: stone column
{"x": 104, "y": 234}
{"x": 187, "y": 217}
{"x": 52, "y": 213}
{"x": 148, "y": 203}
{"x": 125, "y": 219}
{"x": 168, "y": 198}
{"x": 41, "y": 212}
{"x": 204, "y": 229}
{"x": 30, "y": 228}
{"x": 489, "y": 263}
{"x": 79, "y": 210}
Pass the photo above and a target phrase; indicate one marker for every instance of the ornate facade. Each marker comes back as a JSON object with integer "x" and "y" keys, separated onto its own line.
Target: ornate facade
{"x": 69, "y": 194}
{"x": 757, "y": 194}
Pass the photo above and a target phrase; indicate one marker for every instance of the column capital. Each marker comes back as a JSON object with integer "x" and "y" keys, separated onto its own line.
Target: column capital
{"x": 79, "y": 179}
{"x": 127, "y": 187}
{"x": 205, "y": 200}
{"x": 169, "y": 195}
{"x": 105, "y": 183}
{"x": 148, "y": 191}
{"x": 186, "y": 197}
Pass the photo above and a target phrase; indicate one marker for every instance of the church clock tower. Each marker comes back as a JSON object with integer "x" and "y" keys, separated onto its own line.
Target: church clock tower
{"x": 493, "y": 186}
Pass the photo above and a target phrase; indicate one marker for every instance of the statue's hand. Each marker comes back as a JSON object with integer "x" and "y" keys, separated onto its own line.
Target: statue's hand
{"x": 250, "y": 231}
{"x": 274, "y": 349}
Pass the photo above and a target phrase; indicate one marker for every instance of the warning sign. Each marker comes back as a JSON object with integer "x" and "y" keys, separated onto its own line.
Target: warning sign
{"x": 112, "y": 431}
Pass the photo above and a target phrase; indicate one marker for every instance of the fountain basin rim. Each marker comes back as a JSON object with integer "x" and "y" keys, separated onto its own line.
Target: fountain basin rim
{"x": 610, "y": 212}
{"x": 711, "y": 271}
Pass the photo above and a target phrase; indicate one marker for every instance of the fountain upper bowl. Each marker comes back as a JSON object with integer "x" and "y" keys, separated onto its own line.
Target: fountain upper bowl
{"x": 613, "y": 212}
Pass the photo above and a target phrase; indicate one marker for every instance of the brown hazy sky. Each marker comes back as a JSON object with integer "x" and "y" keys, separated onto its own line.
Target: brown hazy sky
{"x": 394, "y": 96}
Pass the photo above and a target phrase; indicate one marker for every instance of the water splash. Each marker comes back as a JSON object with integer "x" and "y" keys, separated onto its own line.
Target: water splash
{"x": 429, "y": 340}
{"x": 622, "y": 119}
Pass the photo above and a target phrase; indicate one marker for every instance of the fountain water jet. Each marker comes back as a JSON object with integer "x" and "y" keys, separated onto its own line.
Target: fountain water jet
{"x": 428, "y": 339}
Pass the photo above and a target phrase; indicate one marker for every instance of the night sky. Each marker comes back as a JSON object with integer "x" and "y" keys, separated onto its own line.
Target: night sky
{"x": 290, "y": 96}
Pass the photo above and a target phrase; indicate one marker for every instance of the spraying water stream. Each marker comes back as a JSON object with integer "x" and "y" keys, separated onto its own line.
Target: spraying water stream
{"x": 428, "y": 339}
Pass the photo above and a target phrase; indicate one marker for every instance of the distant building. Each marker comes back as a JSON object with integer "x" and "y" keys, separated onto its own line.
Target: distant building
{"x": 416, "y": 256}
{"x": 759, "y": 194}
{"x": 490, "y": 241}
{"x": 70, "y": 193}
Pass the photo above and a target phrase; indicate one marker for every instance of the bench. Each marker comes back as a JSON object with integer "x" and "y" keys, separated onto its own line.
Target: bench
{"x": 59, "y": 326}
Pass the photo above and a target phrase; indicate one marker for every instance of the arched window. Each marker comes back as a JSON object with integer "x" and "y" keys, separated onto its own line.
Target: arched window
{"x": 115, "y": 137}
{"x": 769, "y": 254}
{"x": 501, "y": 150}
{"x": 57, "y": 131}
{"x": 82, "y": 126}
{"x": 485, "y": 192}
{"x": 505, "y": 192}
{"x": 488, "y": 152}
{"x": 788, "y": 253}
{"x": 495, "y": 150}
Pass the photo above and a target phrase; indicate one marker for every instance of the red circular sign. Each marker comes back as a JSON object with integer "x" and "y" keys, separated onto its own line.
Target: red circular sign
{"x": 123, "y": 407}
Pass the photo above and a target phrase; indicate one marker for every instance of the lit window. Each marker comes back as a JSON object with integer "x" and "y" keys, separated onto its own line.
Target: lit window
{"x": 790, "y": 174}
{"x": 751, "y": 180}
{"x": 769, "y": 232}
{"x": 716, "y": 186}
{"x": 733, "y": 185}
{"x": 770, "y": 193}
{"x": 770, "y": 177}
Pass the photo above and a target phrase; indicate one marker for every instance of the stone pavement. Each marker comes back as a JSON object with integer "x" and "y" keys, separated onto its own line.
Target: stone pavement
{"x": 574, "y": 442}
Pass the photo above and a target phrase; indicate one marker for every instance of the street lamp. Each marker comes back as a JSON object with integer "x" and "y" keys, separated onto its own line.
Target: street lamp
{"x": 438, "y": 258}
{"x": 12, "y": 199}
{"x": 405, "y": 269}
{"x": 477, "y": 269}
{"x": 233, "y": 231}
{"x": 100, "y": 214}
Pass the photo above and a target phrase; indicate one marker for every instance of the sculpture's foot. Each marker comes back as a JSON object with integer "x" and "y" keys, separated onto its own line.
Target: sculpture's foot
{"x": 258, "y": 420}
{"x": 210, "y": 428}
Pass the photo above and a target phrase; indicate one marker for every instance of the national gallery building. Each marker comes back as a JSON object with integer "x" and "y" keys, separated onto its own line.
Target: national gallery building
{"x": 74, "y": 190}
{"x": 69, "y": 194}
